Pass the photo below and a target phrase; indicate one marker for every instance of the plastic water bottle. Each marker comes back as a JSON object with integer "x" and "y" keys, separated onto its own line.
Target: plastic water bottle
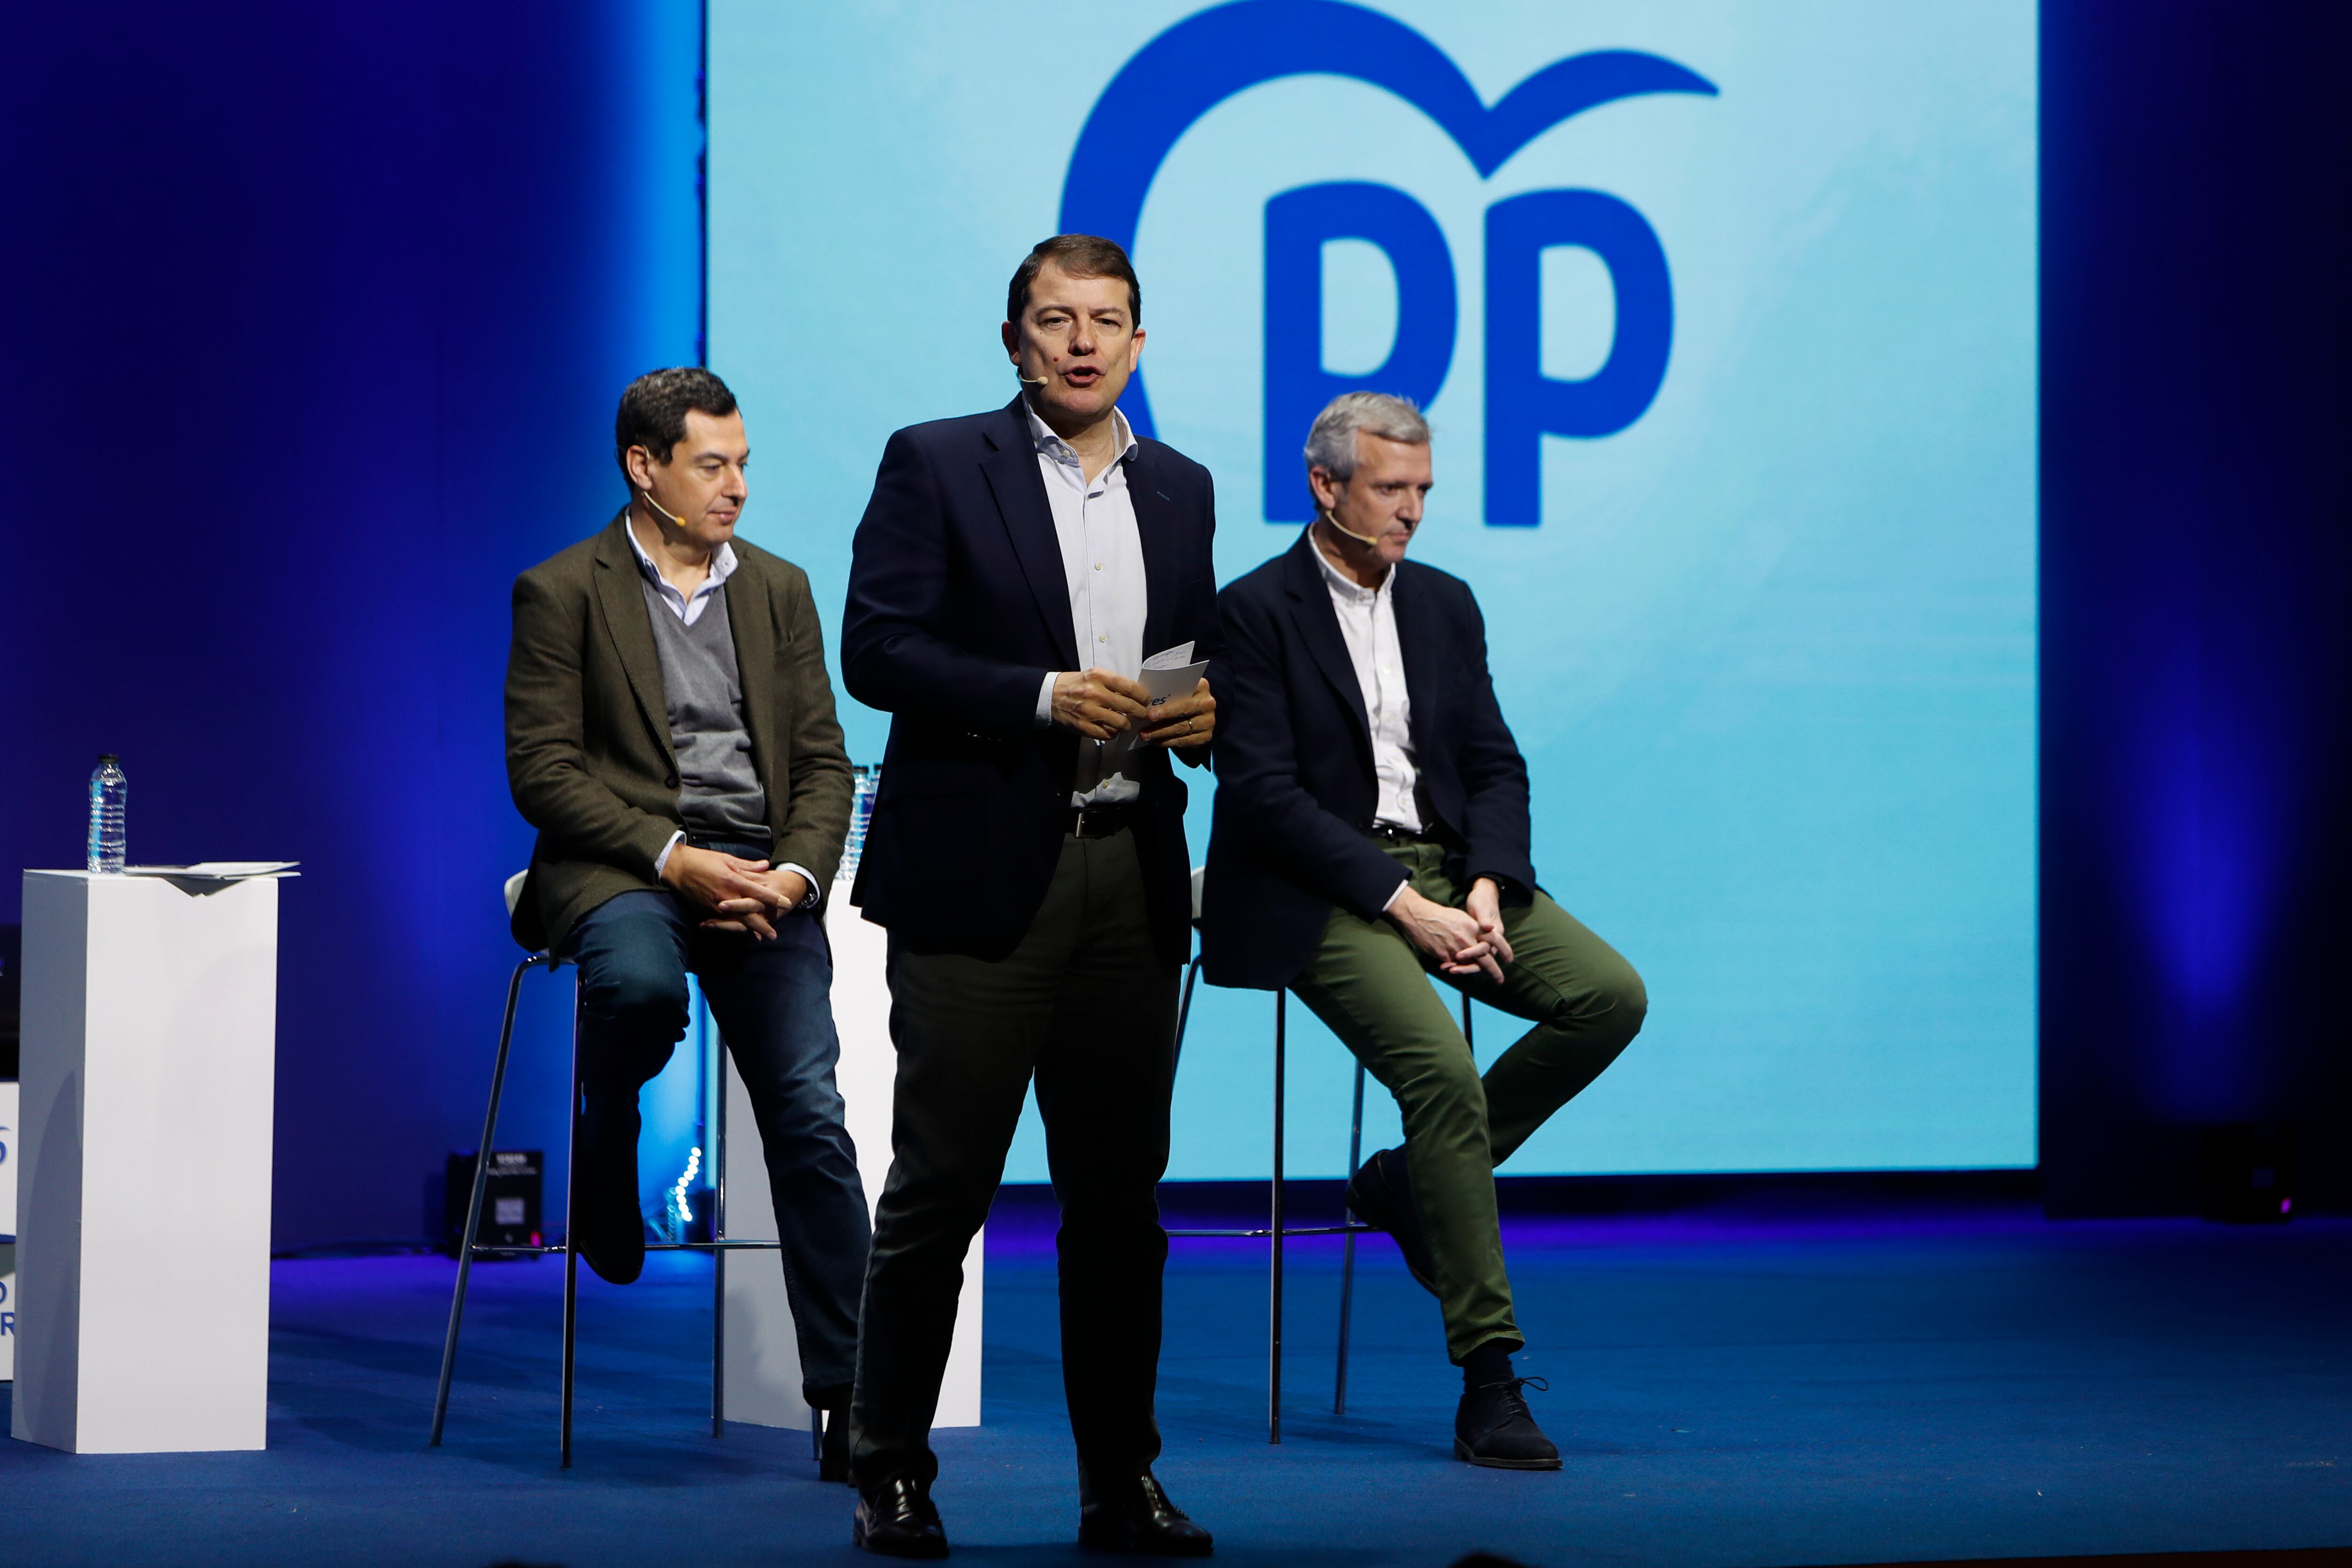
{"x": 109, "y": 792}
{"x": 867, "y": 780}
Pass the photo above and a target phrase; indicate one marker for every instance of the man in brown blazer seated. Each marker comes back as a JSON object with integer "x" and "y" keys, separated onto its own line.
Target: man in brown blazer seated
{"x": 670, "y": 732}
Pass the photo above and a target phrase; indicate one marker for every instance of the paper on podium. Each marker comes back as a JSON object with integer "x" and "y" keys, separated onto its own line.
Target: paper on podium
{"x": 219, "y": 870}
{"x": 211, "y": 876}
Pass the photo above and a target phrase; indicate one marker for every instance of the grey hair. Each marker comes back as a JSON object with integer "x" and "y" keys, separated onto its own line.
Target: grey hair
{"x": 1331, "y": 442}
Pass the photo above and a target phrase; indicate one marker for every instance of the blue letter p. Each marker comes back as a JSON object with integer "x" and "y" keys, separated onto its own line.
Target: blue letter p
{"x": 1523, "y": 404}
{"x": 1297, "y": 225}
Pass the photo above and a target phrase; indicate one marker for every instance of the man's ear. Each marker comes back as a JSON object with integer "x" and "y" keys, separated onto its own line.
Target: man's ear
{"x": 640, "y": 464}
{"x": 1325, "y": 488}
{"x": 1011, "y": 336}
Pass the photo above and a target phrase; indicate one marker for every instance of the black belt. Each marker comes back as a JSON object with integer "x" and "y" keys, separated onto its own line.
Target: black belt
{"x": 1099, "y": 821}
{"x": 1389, "y": 833}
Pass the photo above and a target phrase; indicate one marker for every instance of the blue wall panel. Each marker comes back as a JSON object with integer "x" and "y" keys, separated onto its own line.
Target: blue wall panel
{"x": 316, "y": 318}
{"x": 2197, "y": 533}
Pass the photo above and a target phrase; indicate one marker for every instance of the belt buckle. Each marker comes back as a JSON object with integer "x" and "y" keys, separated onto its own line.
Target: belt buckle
{"x": 1078, "y": 822}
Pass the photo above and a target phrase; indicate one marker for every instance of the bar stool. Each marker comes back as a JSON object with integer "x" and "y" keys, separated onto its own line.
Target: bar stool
{"x": 1276, "y": 1231}
{"x": 471, "y": 1247}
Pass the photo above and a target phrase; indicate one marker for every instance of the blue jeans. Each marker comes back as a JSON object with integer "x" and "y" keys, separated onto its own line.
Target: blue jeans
{"x": 773, "y": 1003}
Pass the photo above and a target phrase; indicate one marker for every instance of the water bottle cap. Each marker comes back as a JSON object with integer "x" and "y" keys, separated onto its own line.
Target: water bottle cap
{"x": 106, "y": 757}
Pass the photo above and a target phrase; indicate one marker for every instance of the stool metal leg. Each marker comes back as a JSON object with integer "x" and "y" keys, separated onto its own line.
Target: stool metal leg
{"x": 1274, "y": 1334}
{"x": 1184, "y": 1008}
{"x": 1347, "y": 1247}
{"x": 571, "y": 1243}
{"x": 474, "y": 1204}
{"x": 717, "y": 1068}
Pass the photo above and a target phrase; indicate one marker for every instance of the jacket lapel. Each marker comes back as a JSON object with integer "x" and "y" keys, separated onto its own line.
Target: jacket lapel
{"x": 1011, "y": 469}
{"x": 1318, "y": 629}
{"x": 623, "y": 602}
{"x": 1157, "y": 522}
{"x": 751, "y": 620}
{"x": 1420, "y": 639}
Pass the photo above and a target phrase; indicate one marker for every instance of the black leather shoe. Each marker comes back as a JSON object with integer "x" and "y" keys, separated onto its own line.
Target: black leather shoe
{"x": 1492, "y": 1427}
{"x": 897, "y": 1519}
{"x": 608, "y": 1230}
{"x": 1135, "y": 1516}
{"x": 1380, "y": 1193}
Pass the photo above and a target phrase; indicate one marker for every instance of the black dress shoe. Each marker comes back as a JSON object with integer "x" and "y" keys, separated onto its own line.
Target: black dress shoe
{"x": 1135, "y": 1516}
{"x": 1381, "y": 1195}
{"x": 1492, "y": 1427}
{"x": 608, "y": 1230}
{"x": 897, "y": 1519}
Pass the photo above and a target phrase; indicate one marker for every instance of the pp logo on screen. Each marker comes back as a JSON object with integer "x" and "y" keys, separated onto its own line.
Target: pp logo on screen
{"x": 1199, "y": 63}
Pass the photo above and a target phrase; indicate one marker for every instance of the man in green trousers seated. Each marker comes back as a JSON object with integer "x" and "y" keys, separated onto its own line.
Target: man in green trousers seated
{"x": 1371, "y": 831}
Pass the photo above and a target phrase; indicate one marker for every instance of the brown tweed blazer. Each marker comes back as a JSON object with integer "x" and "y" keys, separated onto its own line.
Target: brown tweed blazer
{"x": 588, "y": 752}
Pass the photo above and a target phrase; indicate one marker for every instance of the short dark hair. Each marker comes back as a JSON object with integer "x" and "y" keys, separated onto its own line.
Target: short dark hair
{"x": 1080, "y": 255}
{"x": 653, "y": 410}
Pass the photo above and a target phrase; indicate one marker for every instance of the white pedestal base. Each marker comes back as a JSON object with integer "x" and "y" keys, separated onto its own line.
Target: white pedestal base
{"x": 764, "y": 1364}
{"x": 8, "y": 1219}
{"x": 144, "y": 1149}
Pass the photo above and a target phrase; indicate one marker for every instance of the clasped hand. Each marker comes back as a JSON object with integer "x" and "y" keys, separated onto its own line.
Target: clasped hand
{"x": 743, "y": 895}
{"x": 1468, "y": 940}
{"x": 1102, "y": 706}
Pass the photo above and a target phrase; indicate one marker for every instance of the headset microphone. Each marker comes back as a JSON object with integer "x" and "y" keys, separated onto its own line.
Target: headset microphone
{"x": 663, "y": 510}
{"x": 1029, "y": 380}
{"x": 1359, "y": 538}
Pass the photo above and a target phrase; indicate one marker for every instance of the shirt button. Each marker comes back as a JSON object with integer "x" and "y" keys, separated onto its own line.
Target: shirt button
{"x": 1097, "y": 565}
{"x": 1105, "y": 638}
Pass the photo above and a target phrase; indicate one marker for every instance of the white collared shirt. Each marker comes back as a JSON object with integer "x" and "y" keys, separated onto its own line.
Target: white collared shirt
{"x": 1102, "y": 566}
{"x": 722, "y": 566}
{"x": 1368, "y": 625}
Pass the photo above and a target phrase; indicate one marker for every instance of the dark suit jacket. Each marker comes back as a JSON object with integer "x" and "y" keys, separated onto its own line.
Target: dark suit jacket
{"x": 588, "y": 752}
{"x": 958, "y": 608}
{"x": 1296, "y": 790}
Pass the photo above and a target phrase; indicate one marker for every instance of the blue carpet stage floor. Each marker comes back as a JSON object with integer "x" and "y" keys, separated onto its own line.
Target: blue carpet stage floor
{"x": 1732, "y": 1384}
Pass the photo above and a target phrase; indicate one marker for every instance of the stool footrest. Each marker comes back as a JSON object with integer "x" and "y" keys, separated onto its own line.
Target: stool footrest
{"x": 1265, "y": 1232}
{"x": 484, "y": 1249}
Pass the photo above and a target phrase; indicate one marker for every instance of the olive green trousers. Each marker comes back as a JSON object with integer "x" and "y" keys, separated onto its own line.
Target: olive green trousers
{"x": 1371, "y": 986}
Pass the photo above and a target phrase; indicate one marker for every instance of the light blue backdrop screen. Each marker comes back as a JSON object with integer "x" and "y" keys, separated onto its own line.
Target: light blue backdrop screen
{"x": 1724, "y": 315}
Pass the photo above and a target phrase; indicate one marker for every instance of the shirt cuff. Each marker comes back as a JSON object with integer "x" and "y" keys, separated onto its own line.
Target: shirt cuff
{"x": 1045, "y": 701}
{"x": 662, "y": 859}
{"x": 806, "y": 875}
{"x": 1400, "y": 886}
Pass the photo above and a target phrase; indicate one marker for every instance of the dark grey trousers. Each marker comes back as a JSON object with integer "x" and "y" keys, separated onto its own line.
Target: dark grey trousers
{"x": 1086, "y": 1005}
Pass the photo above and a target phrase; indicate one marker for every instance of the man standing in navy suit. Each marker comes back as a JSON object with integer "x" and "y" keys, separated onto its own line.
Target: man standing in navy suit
{"x": 1371, "y": 831}
{"x": 1012, "y": 572}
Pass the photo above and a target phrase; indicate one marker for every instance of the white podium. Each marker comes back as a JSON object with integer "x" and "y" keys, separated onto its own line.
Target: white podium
{"x": 142, "y": 1151}
{"x": 763, "y": 1381}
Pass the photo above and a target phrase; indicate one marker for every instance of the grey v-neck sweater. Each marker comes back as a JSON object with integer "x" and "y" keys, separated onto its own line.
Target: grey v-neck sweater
{"x": 718, "y": 791}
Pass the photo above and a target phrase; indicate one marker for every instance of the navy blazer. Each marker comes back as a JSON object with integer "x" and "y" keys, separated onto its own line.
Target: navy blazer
{"x": 957, "y": 607}
{"x": 1295, "y": 789}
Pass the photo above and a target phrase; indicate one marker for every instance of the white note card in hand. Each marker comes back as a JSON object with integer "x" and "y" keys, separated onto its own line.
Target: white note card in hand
{"x": 1167, "y": 673}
